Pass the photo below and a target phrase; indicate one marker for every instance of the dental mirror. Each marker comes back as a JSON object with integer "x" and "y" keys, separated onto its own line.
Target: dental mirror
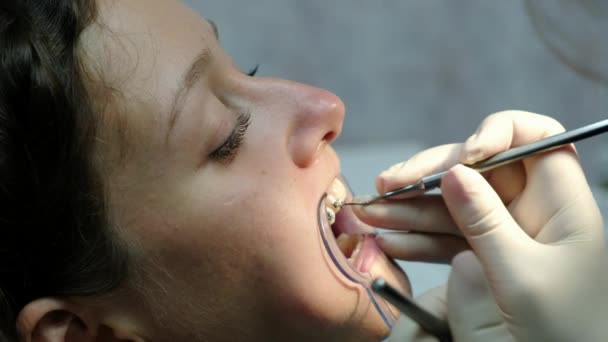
{"x": 425, "y": 320}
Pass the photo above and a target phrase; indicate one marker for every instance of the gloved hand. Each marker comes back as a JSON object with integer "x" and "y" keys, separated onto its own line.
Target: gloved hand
{"x": 537, "y": 269}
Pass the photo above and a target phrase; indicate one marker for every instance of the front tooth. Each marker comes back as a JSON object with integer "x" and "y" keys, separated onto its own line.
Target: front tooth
{"x": 334, "y": 200}
{"x": 337, "y": 190}
{"x": 334, "y": 203}
{"x": 331, "y": 216}
{"x": 337, "y": 203}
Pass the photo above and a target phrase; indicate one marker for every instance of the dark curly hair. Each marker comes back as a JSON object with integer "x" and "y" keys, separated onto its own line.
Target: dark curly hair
{"x": 54, "y": 236}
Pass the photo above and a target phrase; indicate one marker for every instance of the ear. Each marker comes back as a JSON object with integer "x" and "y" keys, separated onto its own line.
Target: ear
{"x": 56, "y": 320}
{"x": 48, "y": 319}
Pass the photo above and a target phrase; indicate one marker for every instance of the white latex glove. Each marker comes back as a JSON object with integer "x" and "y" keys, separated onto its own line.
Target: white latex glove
{"x": 538, "y": 267}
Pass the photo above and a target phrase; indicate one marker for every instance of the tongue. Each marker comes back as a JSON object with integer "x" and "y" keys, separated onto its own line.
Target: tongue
{"x": 348, "y": 223}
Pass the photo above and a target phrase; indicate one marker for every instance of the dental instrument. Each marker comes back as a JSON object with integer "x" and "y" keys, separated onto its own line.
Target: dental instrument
{"x": 425, "y": 320}
{"x": 517, "y": 153}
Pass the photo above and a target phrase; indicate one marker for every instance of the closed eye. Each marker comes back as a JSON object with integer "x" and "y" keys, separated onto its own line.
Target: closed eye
{"x": 229, "y": 148}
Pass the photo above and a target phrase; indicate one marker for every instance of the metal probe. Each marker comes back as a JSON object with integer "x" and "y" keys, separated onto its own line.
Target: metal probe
{"x": 517, "y": 153}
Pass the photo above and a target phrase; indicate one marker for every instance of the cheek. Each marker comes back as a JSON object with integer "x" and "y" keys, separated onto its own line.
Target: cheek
{"x": 288, "y": 263}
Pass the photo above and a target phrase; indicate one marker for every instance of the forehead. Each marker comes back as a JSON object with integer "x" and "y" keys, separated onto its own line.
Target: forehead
{"x": 144, "y": 46}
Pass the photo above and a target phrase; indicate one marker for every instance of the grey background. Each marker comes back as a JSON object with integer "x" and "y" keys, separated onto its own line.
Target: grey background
{"x": 414, "y": 73}
{"x": 413, "y": 70}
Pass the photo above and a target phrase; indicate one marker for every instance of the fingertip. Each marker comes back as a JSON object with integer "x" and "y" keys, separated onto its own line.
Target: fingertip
{"x": 470, "y": 198}
{"x": 380, "y": 240}
{"x": 471, "y": 153}
{"x": 458, "y": 181}
{"x": 386, "y": 244}
{"x": 392, "y": 243}
{"x": 381, "y": 182}
{"x": 390, "y": 182}
{"x": 388, "y": 177}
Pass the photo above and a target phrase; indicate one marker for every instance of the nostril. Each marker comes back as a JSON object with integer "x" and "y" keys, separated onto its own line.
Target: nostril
{"x": 330, "y": 136}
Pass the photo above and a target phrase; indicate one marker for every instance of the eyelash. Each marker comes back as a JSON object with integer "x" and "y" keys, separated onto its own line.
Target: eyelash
{"x": 229, "y": 148}
{"x": 253, "y": 71}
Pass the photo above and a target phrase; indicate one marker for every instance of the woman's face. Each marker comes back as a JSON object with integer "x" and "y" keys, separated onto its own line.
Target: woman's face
{"x": 215, "y": 180}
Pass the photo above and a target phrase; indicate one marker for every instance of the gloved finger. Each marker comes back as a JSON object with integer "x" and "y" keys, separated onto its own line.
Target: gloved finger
{"x": 434, "y": 301}
{"x": 426, "y": 213}
{"x": 484, "y": 221}
{"x": 422, "y": 164}
{"x": 499, "y": 132}
{"x": 503, "y": 130}
{"x": 557, "y": 188}
{"x": 508, "y": 181}
{"x": 435, "y": 248}
{"x": 552, "y": 179}
{"x": 472, "y": 309}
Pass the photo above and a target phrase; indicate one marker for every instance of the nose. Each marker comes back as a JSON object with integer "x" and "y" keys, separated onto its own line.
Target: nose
{"x": 313, "y": 118}
{"x": 318, "y": 119}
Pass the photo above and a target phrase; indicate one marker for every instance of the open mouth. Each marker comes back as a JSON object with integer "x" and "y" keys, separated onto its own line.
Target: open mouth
{"x": 351, "y": 245}
{"x": 354, "y": 238}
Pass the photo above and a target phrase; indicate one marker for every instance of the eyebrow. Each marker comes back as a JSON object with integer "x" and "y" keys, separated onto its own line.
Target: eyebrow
{"x": 190, "y": 78}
